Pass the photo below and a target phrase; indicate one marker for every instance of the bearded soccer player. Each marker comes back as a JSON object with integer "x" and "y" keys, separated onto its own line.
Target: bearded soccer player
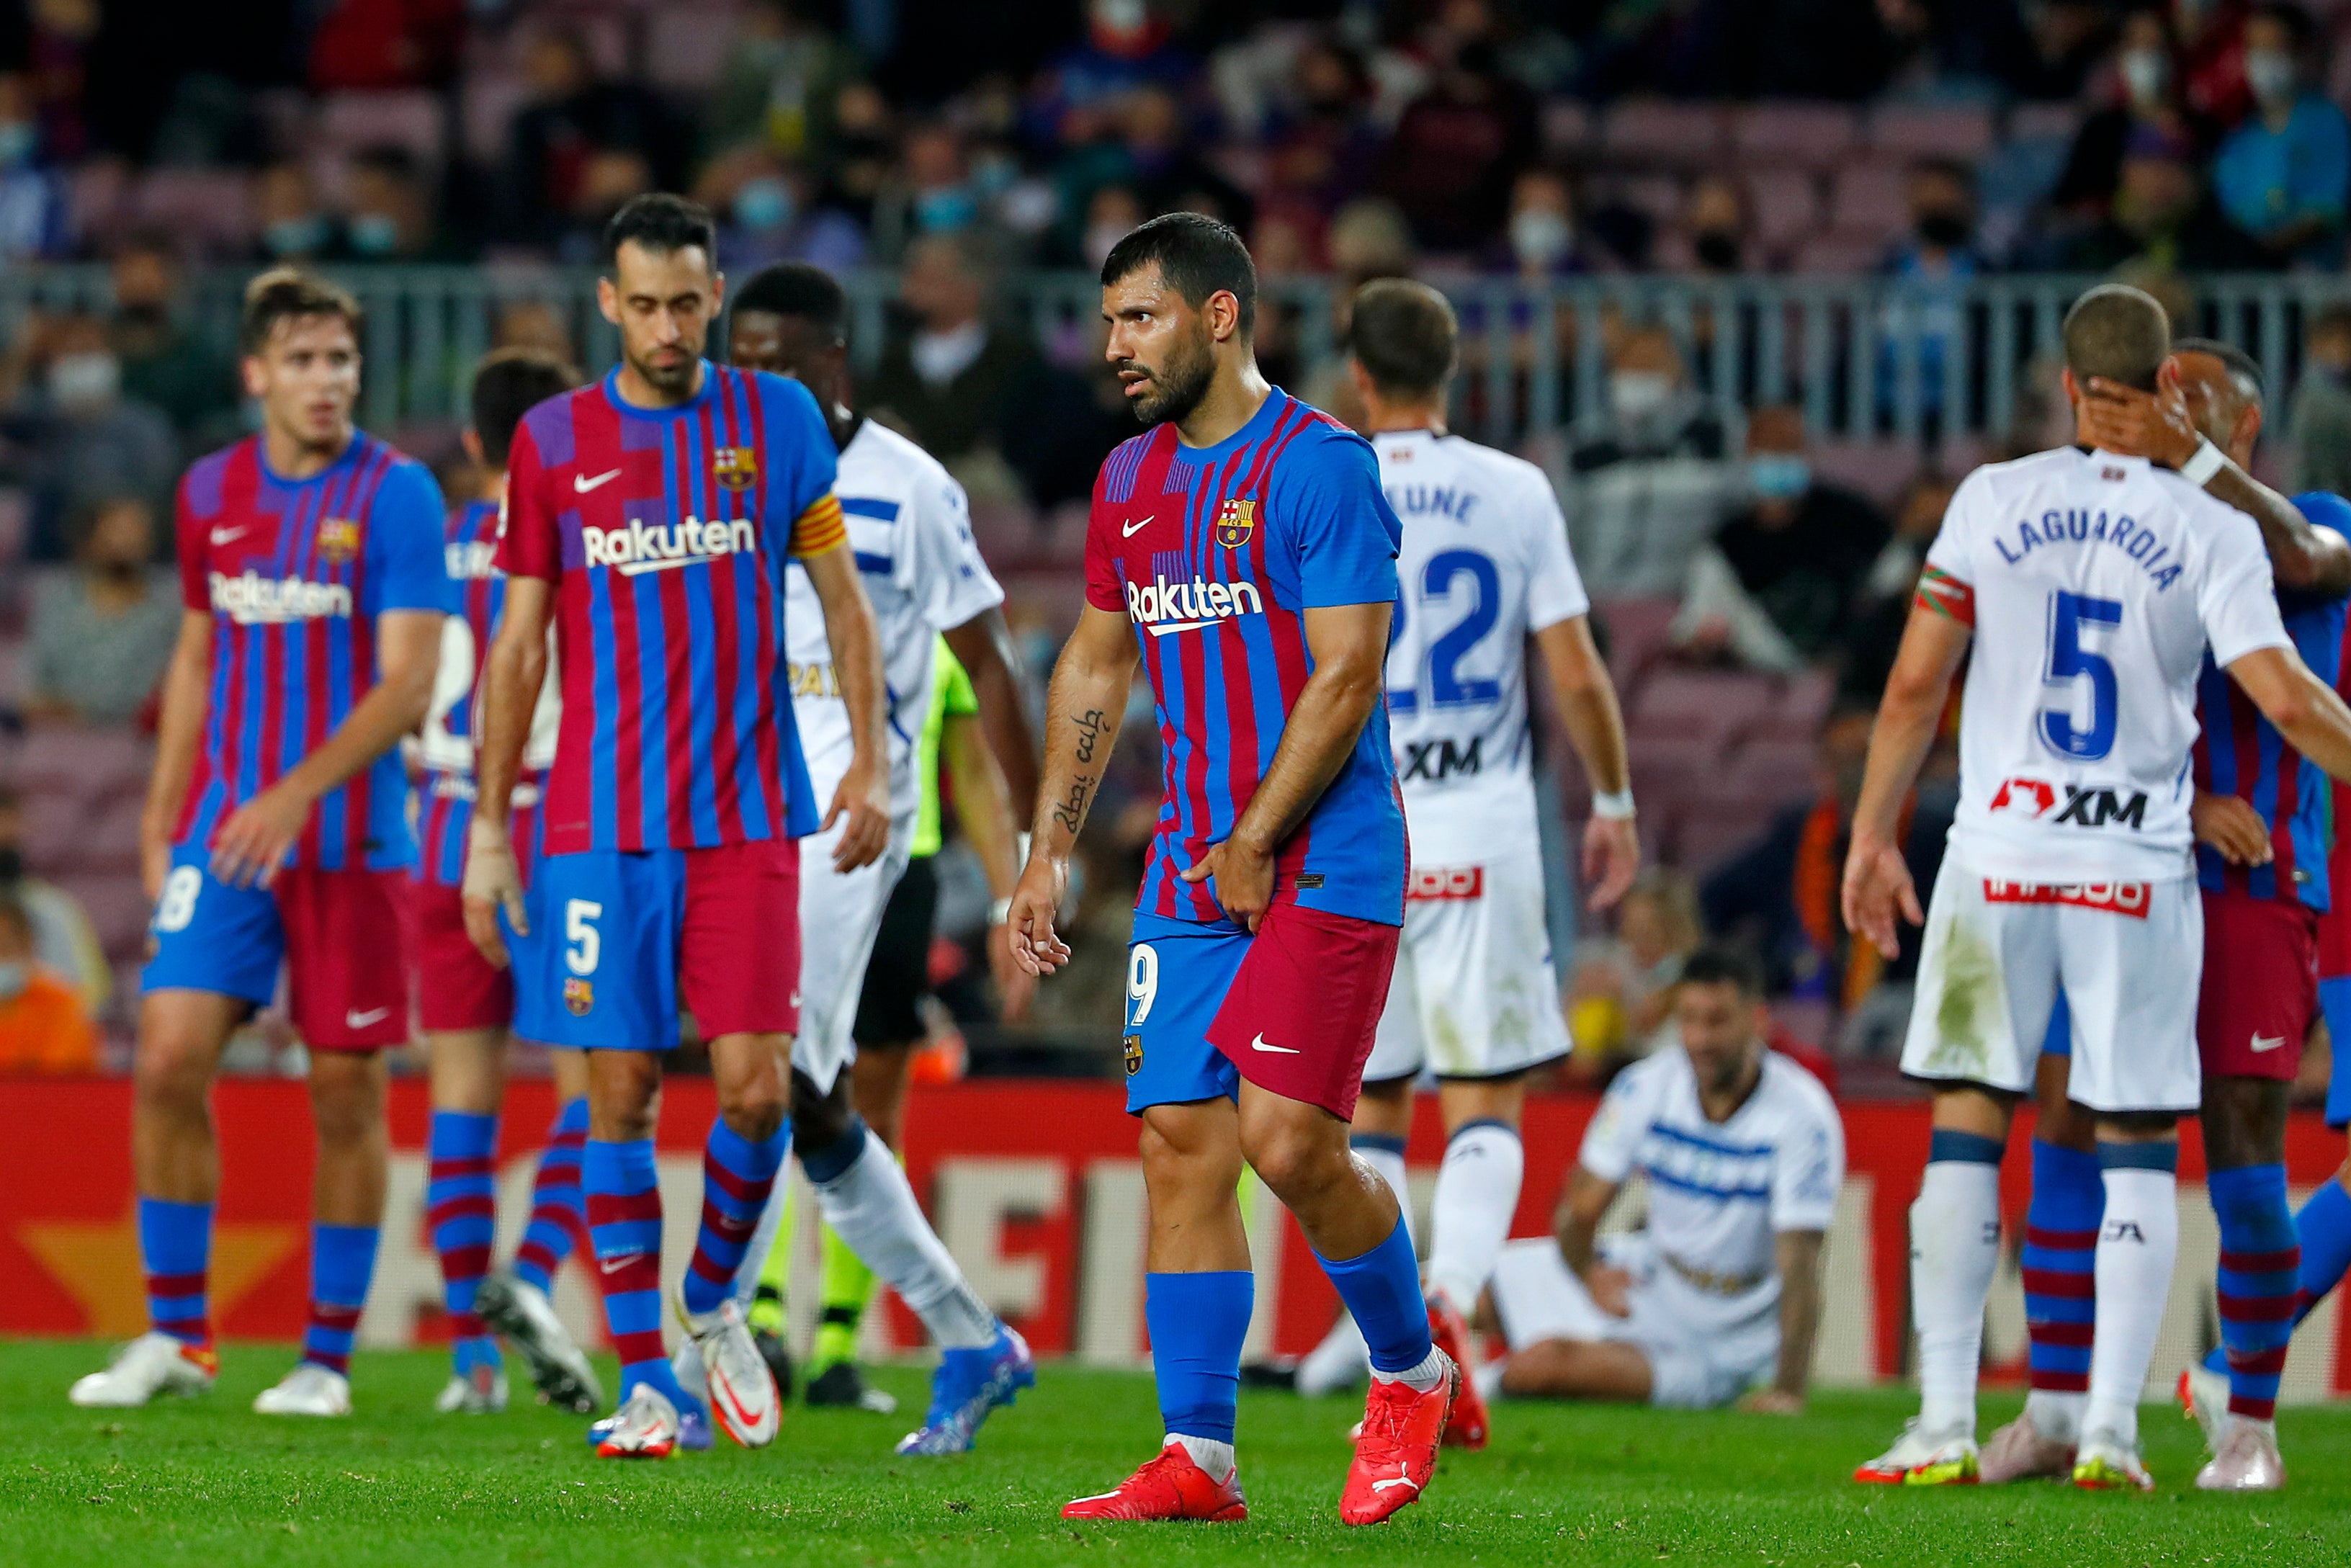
{"x": 276, "y": 827}
{"x": 2262, "y": 822}
{"x": 910, "y": 532}
{"x": 466, "y": 1003}
{"x": 1241, "y": 552}
{"x": 650, "y": 517}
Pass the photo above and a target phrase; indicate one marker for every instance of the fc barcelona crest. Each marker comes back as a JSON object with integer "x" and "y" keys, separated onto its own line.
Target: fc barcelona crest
{"x": 1236, "y": 520}
{"x": 1134, "y": 1043}
{"x": 338, "y": 540}
{"x": 578, "y": 995}
{"x": 735, "y": 467}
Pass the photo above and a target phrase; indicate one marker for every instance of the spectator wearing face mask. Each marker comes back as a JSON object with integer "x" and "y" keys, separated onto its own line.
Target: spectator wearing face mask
{"x": 33, "y": 212}
{"x": 1775, "y": 586}
{"x": 2282, "y": 176}
{"x": 79, "y": 439}
{"x": 291, "y": 225}
{"x": 1647, "y": 475}
{"x": 2145, "y": 92}
{"x": 1715, "y": 222}
{"x": 164, "y": 364}
{"x": 64, "y": 941}
{"x": 767, "y": 215}
{"x": 1932, "y": 268}
{"x": 1539, "y": 242}
{"x": 102, "y": 633}
{"x": 389, "y": 215}
{"x": 43, "y": 1029}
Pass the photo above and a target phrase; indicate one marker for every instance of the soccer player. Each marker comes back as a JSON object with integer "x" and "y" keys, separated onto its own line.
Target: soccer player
{"x": 1241, "y": 550}
{"x": 1744, "y": 1155}
{"x": 2098, "y": 582}
{"x": 467, "y": 1003}
{"x": 2262, "y": 822}
{"x": 910, "y": 533}
{"x": 276, "y": 827}
{"x": 1484, "y": 566}
{"x": 649, "y": 517}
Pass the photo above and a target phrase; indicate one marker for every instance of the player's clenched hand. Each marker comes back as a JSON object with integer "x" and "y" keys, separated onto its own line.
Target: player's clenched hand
{"x": 1611, "y": 1288}
{"x": 1244, "y": 880}
{"x": 1772, "y": 1402}
{"x": 1877, "y": 888}
{"x": 1029, "y": 924}
{"x": 253, "y": 843}
{"x": 1612, "y": 859}
{"x": 2231, "y": 827}
{"x": 493, "y": 881}
{"x": 1015, "y": 986}
{"x": 2118, "y": 418}
{"x": 865, "y": 799}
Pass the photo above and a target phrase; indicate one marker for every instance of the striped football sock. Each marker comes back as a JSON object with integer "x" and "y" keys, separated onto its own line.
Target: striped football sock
{"x": 461, "y": 1208}
{"x": 2258, "y": 1284}
{"x": 342, "y": 1261}
{"x": 2061, "y": 1288}
{"x": 559, "y": 1214}
{"x": 624, "y": 1223}
{"x": 737, "y": 1175}
{"x": 176, "y": 1244}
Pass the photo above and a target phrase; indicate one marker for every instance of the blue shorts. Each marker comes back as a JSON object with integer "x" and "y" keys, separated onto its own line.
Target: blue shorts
{"x": 342, "y": 938}
{"x": 623, "y": 939}
{"x": 1177, "y": 972}
{"x": 2335, "y": 1003}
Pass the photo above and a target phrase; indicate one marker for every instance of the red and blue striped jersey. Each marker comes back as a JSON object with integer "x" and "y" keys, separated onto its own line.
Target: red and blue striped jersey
{"x": 666, "y": 533}
{"x": 1216, "y": 554}
{"x": 294, "y": 575}
{"x": 2239, "y": 753}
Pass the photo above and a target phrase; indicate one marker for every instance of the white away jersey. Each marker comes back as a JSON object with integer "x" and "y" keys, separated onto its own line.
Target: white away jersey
{"x": 1719, "y": 1192}
{"x": 911, "y": 529}
{"x": 2094, "y": 584}
{"x": 1483, "y": 564}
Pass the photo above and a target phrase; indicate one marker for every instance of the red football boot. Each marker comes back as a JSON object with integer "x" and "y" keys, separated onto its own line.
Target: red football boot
{"x": 1168, "y": 1487}
{"x": 1396, "y": 1452}
{"x": 1466, "y": 1427}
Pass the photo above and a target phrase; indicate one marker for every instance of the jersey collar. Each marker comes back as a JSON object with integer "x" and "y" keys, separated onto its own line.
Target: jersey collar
{"x": 1258, "y": 424}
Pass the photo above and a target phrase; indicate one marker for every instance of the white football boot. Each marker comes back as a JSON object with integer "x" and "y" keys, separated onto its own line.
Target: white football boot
{"x": 645, "y": 1426}
{"x": 1924, "y": 1459}
{"x": 481, "y": 1393}
{"x": 151, "y": 1364}
{"x": 743, "y": 1396}
{"x": 521, "y": 1311}
{"x": 2106, "y": 1463}
{"x": 2246, "y": 1460}
{"x": 308, "y": 1390}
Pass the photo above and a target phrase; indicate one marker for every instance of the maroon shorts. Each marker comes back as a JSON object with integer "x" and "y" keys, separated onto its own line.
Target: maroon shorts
{"x": 1305, "y": 1003}
{"x": 345, "y": 956}
{"x": 738, "y": 963}
{"x": 2260, "y": 986}
{"x": 457, "y": 988}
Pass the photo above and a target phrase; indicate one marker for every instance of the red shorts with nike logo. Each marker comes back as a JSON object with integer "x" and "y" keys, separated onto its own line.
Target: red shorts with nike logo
{"x": 2261, "y": 985}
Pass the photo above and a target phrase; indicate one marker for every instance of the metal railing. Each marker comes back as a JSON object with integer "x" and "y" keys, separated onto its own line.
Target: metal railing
{"x": 1872, "y": 358}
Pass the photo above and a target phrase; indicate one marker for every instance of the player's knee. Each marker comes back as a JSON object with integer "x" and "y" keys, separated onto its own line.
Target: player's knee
{"x": 754, "y": 1107}
{"x": 172, "y": 1076}
{"x": 818, "y": 1120}
{"x": 1290, "y": 1157}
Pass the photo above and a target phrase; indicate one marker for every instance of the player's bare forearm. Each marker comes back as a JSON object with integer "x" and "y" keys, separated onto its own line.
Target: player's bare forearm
{"x": 2303, "y": 556}
{"x": 408, "y": 654}
{"x": 179, "y": 728}
{"x": 1587, "y": 701}
{"x": 1798, "y": 1253}
{"x": 1916, "y": 692}
{"x": 2308, "y": 712}
{"x": 1091, "y": 682}
{"x": 1577, "y": 1222}
{"x": 1349, "y": 645}
{"x": 983, "y": 645}
{"x": 983, "y": 806}
{"x": 511, "y": 679}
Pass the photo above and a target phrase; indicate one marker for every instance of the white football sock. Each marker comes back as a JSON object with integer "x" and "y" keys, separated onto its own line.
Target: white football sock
{"x": 1477, "y": 1195}
{"x": 1211, "y": 1455}
{"x": 2056, "y": 1413}
{"x": 871, "y": 1206}
{"x": 763, "y": 1239}
{"x": 2136, "y": 1247}
{"x": 1954, "y": 1249}
{"x": 1421, "y": 1375}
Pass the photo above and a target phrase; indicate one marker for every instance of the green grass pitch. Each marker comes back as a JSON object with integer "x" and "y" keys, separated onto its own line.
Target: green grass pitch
{"x": 205, "y": 1481}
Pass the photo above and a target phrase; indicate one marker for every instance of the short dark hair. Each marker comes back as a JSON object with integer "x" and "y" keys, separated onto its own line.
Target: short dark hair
{"x": 507, "y": 384}
{"x": 2119, "y": 332}
{"x": 289, "y": 293}
{"x": 1196, "y": 256}
{"x": 2300, "y": 30}
{"x": 1958, "y": 169}
{"x": 1720, "y": 964}
{"x": 1405, "y": 335}
{"x": 797, "y": 290}
{"x": 662, "y": 224}
{"x": 2241, "y": 365}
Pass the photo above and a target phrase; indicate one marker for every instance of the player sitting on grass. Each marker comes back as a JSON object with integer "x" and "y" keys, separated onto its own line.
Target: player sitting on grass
{"x": 1742, "y": 1154}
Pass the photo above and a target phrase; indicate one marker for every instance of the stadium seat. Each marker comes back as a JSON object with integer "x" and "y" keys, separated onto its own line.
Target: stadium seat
{"x": 1718, "y": 703}
{"x": 1771, "y": 768}
{"x": 1777, "y": 135}
{"x": 53, "y": 820}
{"x": 118, "y": 909}
{"x": 1879, "y": 469}
{"x": 98, "y": 196}
{"x": 11, "y": 671}
{"x": 210, "y": 208}
{"x": 1658, "y": 197}
{"x": 1838, "y": 254}
{"x": 1870, "y": 200}
{"x": 1908, "y": 131}
{"x": 412, "y": 121}
{"x": 686, "y": 48}
{"x": 1653, "y": 132}
{"x": 487, "y": 105}
{"x": 2042, "y": 122}
{"x": 1786, "y": 204}
{"x": 1700, "y": 838}
{"x": 87, "y": 765}
{"x": 107, "y": 840}
{"x": 1633, "y": 632}
{"x": 1804, "y": 701}
{"x": 1566, "y": 129}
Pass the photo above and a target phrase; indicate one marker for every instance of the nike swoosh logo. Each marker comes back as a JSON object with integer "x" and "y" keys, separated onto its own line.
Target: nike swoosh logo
{"x": 612, "y": 1265}
{"x": 354, "y": 1018}
{"x": 2268, "y": 1041}
{"x": 222, "y": 536}
{"x": 1128, "y": 530}
{"x": 1260, "y": 1044}
{"x": 582, "y": 484}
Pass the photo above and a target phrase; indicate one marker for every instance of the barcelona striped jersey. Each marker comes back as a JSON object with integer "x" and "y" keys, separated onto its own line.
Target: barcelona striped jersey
{"x": 1216, "y": 554}
{"x": 446, "y": 747}
{"x": 294, "y": 574}
{"x": 2241, "y": 753}
{"x": 665, "y": 532}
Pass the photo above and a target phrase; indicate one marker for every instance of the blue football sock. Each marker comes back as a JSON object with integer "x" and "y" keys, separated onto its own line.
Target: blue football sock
{"x": 2324, "y": 1228}
{"x": 2060, "y": 1247}
{"x": 342, "y": 1261}
{"x": 736, "y": 1177}
{"x": 175, "y": 1246}
{"x": 2260, "y": 1279}
{"x": 624, "y": 1221}
{"x": 461, "y": 1208}
{"x": 1381, "y": 1289}
{"x": 1197, "y": 1322}
{"x": 558, "y": 1212}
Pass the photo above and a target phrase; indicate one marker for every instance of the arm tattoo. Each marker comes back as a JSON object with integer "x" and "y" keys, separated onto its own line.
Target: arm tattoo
{"x": 1090, "y": 725}
{"x": 1071, "y": 813}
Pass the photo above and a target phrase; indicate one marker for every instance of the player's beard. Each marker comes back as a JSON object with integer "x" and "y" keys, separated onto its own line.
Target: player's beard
{"x": 1178, "y": 389}
{"x": 676, "y": 381}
